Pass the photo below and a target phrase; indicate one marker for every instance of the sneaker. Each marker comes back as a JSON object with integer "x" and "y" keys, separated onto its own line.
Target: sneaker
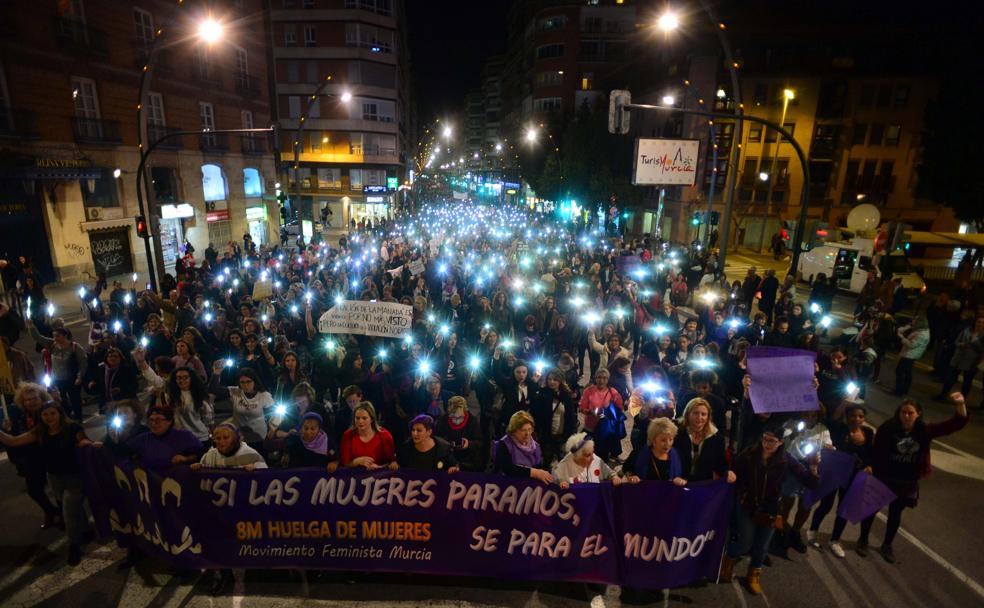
{"x": 837, "y": 549}
{"x": 811, "y": 537}
{"x": 597, "y": 602}
{"x": 888, "y": 554}
{"x": 861, "y": 549}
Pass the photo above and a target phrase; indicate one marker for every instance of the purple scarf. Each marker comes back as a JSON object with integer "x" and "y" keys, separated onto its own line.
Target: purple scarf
{"x": 319, "y": 445}
{"x": 521, "y": 455}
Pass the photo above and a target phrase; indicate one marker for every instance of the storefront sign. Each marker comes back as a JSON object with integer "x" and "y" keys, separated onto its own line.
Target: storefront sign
{"x": 111, "y": 251}
{"x": 375, "y": 199}
{"x": 650, "y": 534}
{"x": 374, "y": 189}
{"x": 256, "y": 213}
{"x": 217, "y": 216}
{"x": 173, "y": 212}
{"x": 392, "y": 183}
{"x": 386, "y": 319}
{"x": 666, "y": 161}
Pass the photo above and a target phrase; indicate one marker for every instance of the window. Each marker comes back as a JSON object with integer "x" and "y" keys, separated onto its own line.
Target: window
{"x": 851, "y": 175}
{"x": 252, "y": 183}
{"x": 203, "y": 63}
{"x": 867, "y": 179}
{"x": 101, "y": 191}
{"x": 372, "y": 74}
{"x": 86, "y": 100}
{"x": 867, "y": 97}
{"x": 144, "y": 24}
{"x": 330, "y": 179}
{"x": 374, "y": 177}
{"x": 884, "y": 182}
{"x": 892, "y": 135}
{"x": 314, "y": 110}
{"x": 307, "y": 3}
{"x": 884, "y": 95}
{"x": 312, "y": 72}
{"x": 587, "y": 81}
{"x": 547, "y": 104}
{"x": 165, "y": 182}
{"x": 213, "y": 183}
{"x": 876, "y": 134}
{"x": 242, "y": 64}
{"x": 549, "y": 50}
{"x": 316, "y": 140}
{"x": 382, "y": 7}
{"x": 548, "y": 79}
{"x": 592, "y": 24}
{"x": 293, "y": 71}
{"x": 552, "y": 23}
{"x": 369, "y": 37}
{"x": 355, "y": 179}
{"x": 294, "y": 106}
{"x": 206, "y": 116}
{"x": 155, "y": 113}
{"x": 369, "y": 111}
{"x": 754, "y": 132}
{"x": 902, "y": 96}
{"x": 590, "y": 50}
{"x": 859, "y": 134}
{"x": 290, "y": 34}
{"x": 771, "y": 134}
{"x": 825, "y": 139}
{"x": 781, "y": 175}
{"x": 310, "y": 35}
{"x": 749, "y": 172}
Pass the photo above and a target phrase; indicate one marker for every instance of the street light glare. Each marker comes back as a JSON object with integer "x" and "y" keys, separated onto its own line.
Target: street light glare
{"x": 210, "y": 30}
{"x": 789, "y": 94}
{"x": 346, "y": 97}
{"x": 447, "y": 132}
{"x": 721, "y": 94}
{"x": 668, "y": 100}
{"x": 531, "y": 135}
{"x": 668, "y": 22}
{"x": 763, "y": 176}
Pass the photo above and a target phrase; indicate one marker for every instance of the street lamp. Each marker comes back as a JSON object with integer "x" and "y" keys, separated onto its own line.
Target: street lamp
{"x": 447, "y": 132}
{"x": 668, "y": 100}
{"x": 346, "y": 97}
{"x": 668, "y": 21}
{"x": 531, "y": 135}
{"x": 209, "y": 31}
{"x": 763, "y": 176}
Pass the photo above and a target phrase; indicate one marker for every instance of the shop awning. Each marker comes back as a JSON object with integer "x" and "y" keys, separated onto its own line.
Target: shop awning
{"x": 125, "y": 222}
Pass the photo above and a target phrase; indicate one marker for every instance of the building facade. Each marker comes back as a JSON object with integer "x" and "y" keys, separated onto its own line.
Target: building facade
{"x": 68, "y": 133}
{"x": 352, "y": 155}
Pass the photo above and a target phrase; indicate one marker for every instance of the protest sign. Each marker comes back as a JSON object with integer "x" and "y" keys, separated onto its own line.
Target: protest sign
{"x": 385, "y": 319}
{"x": 262, "y": 289}
{"x": 651, "y": 534}
{"x": 867, "y": 495}
{"x": 417, "y": 267}
{"x": 782, "y": 380}
{"x": 835, "y": 473}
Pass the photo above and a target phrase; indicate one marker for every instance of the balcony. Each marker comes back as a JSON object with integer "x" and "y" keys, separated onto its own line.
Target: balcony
{"x": 96, "y": 131}
{"x": 18, "y": 124}
{"x": 247, "y": 85}
{"x": 155, "y": 132}
{"x": 76, "y": 36}
{"x": 253, "y": 145}
{"x": 214, "y": 142}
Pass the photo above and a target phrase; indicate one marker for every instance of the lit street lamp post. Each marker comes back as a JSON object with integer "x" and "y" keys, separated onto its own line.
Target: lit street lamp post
{"x": 787, "y": 96}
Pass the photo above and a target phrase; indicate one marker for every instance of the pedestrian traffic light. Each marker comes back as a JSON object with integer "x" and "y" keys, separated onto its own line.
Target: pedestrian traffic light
{"x": 142, "y": 230}
{"x": 697, "y": 218}
{"x": 714, "y": 218}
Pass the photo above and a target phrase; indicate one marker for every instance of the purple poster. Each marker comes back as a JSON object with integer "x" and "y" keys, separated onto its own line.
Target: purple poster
{"x": 651, "y": 534}
{"x": 835, "y": 473}
{"x": 867, "y": 495}
{"x": 782, "y": 380}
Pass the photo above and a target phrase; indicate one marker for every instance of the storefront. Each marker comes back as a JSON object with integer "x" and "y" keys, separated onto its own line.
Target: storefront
{"x": 219, "y": 228}
{"x": 374, "y": 206}
{"x": 171, "y": 231}
{"x": 256, "y": 222}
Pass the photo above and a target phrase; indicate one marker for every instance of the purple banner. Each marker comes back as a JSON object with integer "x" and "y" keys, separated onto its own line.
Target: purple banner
{"x": 835, "y": 473}
{"x": 651, "y": 534}
{"x": 782, "y": 380}
{"x": 867, "y": 495}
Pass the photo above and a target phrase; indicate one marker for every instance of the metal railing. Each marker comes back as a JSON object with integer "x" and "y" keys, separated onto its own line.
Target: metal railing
{"x": 96, "y": 130}
{"x": 247, "y": 84}
{"x": 250, "y": 144}
{"x": 214, "y": 142}
{"x": 155, "y": 132}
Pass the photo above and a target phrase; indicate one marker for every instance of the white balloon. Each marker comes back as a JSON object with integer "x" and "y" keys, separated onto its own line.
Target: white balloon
{"x": 863, "y": 217}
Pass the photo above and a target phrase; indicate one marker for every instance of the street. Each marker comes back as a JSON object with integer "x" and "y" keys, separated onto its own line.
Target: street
{"x": 939, "y": 560}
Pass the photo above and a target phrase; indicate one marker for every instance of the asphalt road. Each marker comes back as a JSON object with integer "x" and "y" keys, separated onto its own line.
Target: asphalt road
{"x": 938, "y": 550}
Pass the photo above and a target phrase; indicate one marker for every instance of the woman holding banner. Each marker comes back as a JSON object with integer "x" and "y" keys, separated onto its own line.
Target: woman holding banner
{"x": 700, "y": 446}
{"x": 251, "y": 402}
{"x": 657, "y": 460}
{"x": 901, "y": 458}
{"x": 424, "y": 452}
{"x": 761, "y": 470}
{"x": 367, "y": 444}
{"x": 517, "y": 454}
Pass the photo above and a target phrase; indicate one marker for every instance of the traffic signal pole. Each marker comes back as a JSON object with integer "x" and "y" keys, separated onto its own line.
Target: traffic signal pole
{"x": 620, "y": 123}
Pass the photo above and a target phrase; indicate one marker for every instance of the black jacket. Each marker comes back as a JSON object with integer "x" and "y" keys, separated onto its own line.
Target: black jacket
{"x": 542, "y": 407}
{"x": 710, "y": 461}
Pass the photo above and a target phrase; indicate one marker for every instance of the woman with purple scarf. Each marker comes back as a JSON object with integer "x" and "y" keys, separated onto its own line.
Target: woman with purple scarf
{"x": 517, "y": 454}
{"x": 306, "y": 446}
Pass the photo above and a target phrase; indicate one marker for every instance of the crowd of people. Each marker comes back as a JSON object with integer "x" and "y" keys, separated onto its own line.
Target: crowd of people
{"x": 535, "y": 352}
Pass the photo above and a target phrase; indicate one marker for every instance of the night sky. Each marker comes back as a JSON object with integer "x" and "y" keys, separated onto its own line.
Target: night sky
{"x": 449, "y": 42}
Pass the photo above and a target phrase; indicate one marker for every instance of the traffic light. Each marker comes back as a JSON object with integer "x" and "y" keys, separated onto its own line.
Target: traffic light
{"x": 698, "y": 216}
{"x": 142, "y": 230}
{"x": 715, "y": 218}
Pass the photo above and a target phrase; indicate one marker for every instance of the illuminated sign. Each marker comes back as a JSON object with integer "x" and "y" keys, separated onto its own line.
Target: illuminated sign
{"x": 375, "y": 199}
{"x": 217, "y": 216}
{"x": 173, "y": 212}
{"x": 256, "y": 213}
{"x": 392, "y": 183}
{"x": 375, "y": 189}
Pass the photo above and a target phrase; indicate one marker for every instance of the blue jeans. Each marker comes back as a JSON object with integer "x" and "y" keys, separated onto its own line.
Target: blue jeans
{"x": 70, "y": 492}
{"x": 747, "y": 537}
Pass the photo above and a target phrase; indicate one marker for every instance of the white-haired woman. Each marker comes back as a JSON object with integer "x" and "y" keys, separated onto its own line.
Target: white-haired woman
{"x": 657, "y": 460}
{"x": 580, "y": 464}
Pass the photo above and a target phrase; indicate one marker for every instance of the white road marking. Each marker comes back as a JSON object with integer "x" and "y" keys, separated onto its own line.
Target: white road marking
{"x": 939, "y": 559}
{"x": 816, "y": 561}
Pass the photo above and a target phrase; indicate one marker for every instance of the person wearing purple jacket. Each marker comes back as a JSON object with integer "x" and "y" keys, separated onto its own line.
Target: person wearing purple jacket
{"x": 900, "y": 458}
{"x": 760, "y": 471}
{"x": 164, "y": 446}
{"x": 517, "y": 454}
